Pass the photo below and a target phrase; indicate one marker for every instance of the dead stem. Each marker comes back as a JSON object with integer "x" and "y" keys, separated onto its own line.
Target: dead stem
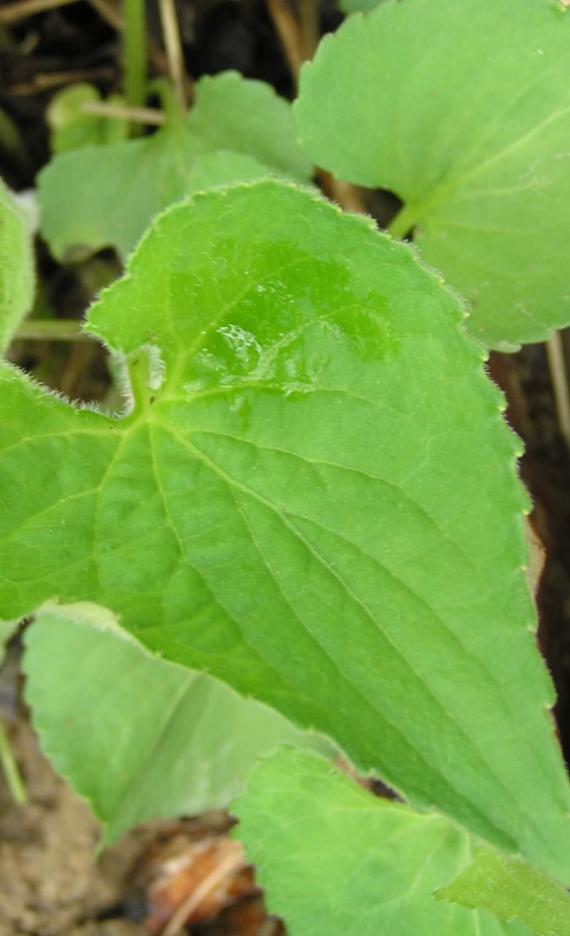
{"x": 44, "y": 82}
{"x": 559, "y": 379}
{"x": 174, "y": 51}
{"x": 348, "y": 196}
{"x": 287, "y": 28}
{"x": 24, "y": 8}
{"x": 109, "y": 12}
{"x": 232, "y": 864}
{"x": 298, "y": 46}
{"x": 51, "y": 330}
{"x": 309, "y": 18}
{"x": 144, "y": 115}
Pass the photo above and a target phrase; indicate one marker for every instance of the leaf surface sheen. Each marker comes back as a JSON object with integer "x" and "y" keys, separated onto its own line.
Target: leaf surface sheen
{"x": 461, "y": 109}
{"x": 98, "y": 197}
{"x": 328, "y": 850}
{"x": 316, "y": 503}
{"x": 137, "y": 736}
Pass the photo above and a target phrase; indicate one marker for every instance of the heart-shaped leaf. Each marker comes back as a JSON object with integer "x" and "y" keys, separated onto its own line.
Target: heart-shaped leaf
{"x": 328, "y": 851}
{"x": 463, "y": 110}
{"x": 98, "y": 197}
{"x": 313, "y": 496}
{"x": 137, "y": 736}
{"x": 512, "y": 889}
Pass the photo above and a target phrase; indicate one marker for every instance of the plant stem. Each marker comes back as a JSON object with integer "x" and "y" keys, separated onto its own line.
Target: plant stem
{"x": 403, "y": 222}
{"x": 51, "y": 330}
{"x": 138, "y": 370}
{"x": 109, "y": 12}
{"x": 11, "y": 772}
{"x": 174, "y": 51}
{"x": 135, "y": 52}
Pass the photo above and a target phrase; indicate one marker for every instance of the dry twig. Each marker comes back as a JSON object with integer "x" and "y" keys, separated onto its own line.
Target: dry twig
{"x": 233, "y": 863}
{"x": 109, "y": 12}
{"x": 309, "y": 17}
{"x": 174, "y": 51}
{"x": 287, "y": 28}
{"x": 24, "y": 8}
{"x": 296, "y": 49}
{"x": 143, "y": 115}
{"x": 559, "y": 378}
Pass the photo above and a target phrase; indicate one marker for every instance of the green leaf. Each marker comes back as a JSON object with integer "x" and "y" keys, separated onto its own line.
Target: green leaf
{"x": 512, "y": 889}
{"x": 232, "y": 113}
{"x": 327, "y": 850}
{"x": 463, "y": 110}
{"x": 300, "y": 502}
{"x": 72, "y": 128}
{"x": 212, "y": 170}
{"x": 93, "y": 197}
{"x": 16, "y": 266}
{"x": 359, "y": 6}
{"x": 135, "y": 735}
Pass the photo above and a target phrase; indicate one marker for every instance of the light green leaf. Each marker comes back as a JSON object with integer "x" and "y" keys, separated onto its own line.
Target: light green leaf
{"x": 232, "y": 113}
{"x": 71, "y": 127}
{"x": 98, "y": 197}
{"x": 93, "y": 197}
{"x": 212, "y": 170}
{"x": 328, "y": 851}
{"x": 463, "y": 110}
{"x": 135, "y": 735}
{"x": 16, "y": 266}
{"x": 359, "y": 6}
{"x": 512, "y": 889}
{"x": 313, "y": 497}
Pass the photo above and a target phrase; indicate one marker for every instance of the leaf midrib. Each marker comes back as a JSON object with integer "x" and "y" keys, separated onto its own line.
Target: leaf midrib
{"x": 233, "y": 483}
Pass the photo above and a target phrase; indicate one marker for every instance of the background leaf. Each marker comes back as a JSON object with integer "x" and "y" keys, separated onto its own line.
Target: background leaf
{"x": 93, "y": 197}
{"x": 231, "y": 112}
{"x": 16, "y": 266}
{"x": 214, "y": 169}
{"x": 510, "y": 888}
{"x": 462, "y": 110}
{"x": 72, "y": 128}
{"x": 300, "y": 502}
{"x": 135, "y": 735}
{"x": 327, "y": 850}
{"x": 359, "y": 6}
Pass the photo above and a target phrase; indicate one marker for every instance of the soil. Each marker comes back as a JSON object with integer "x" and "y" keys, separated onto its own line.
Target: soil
{"x": 50, "y": 881}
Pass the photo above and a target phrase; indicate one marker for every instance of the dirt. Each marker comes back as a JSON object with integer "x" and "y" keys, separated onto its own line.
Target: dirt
{"x": 52, "y": 883}
{"x": 49, "y": 881}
